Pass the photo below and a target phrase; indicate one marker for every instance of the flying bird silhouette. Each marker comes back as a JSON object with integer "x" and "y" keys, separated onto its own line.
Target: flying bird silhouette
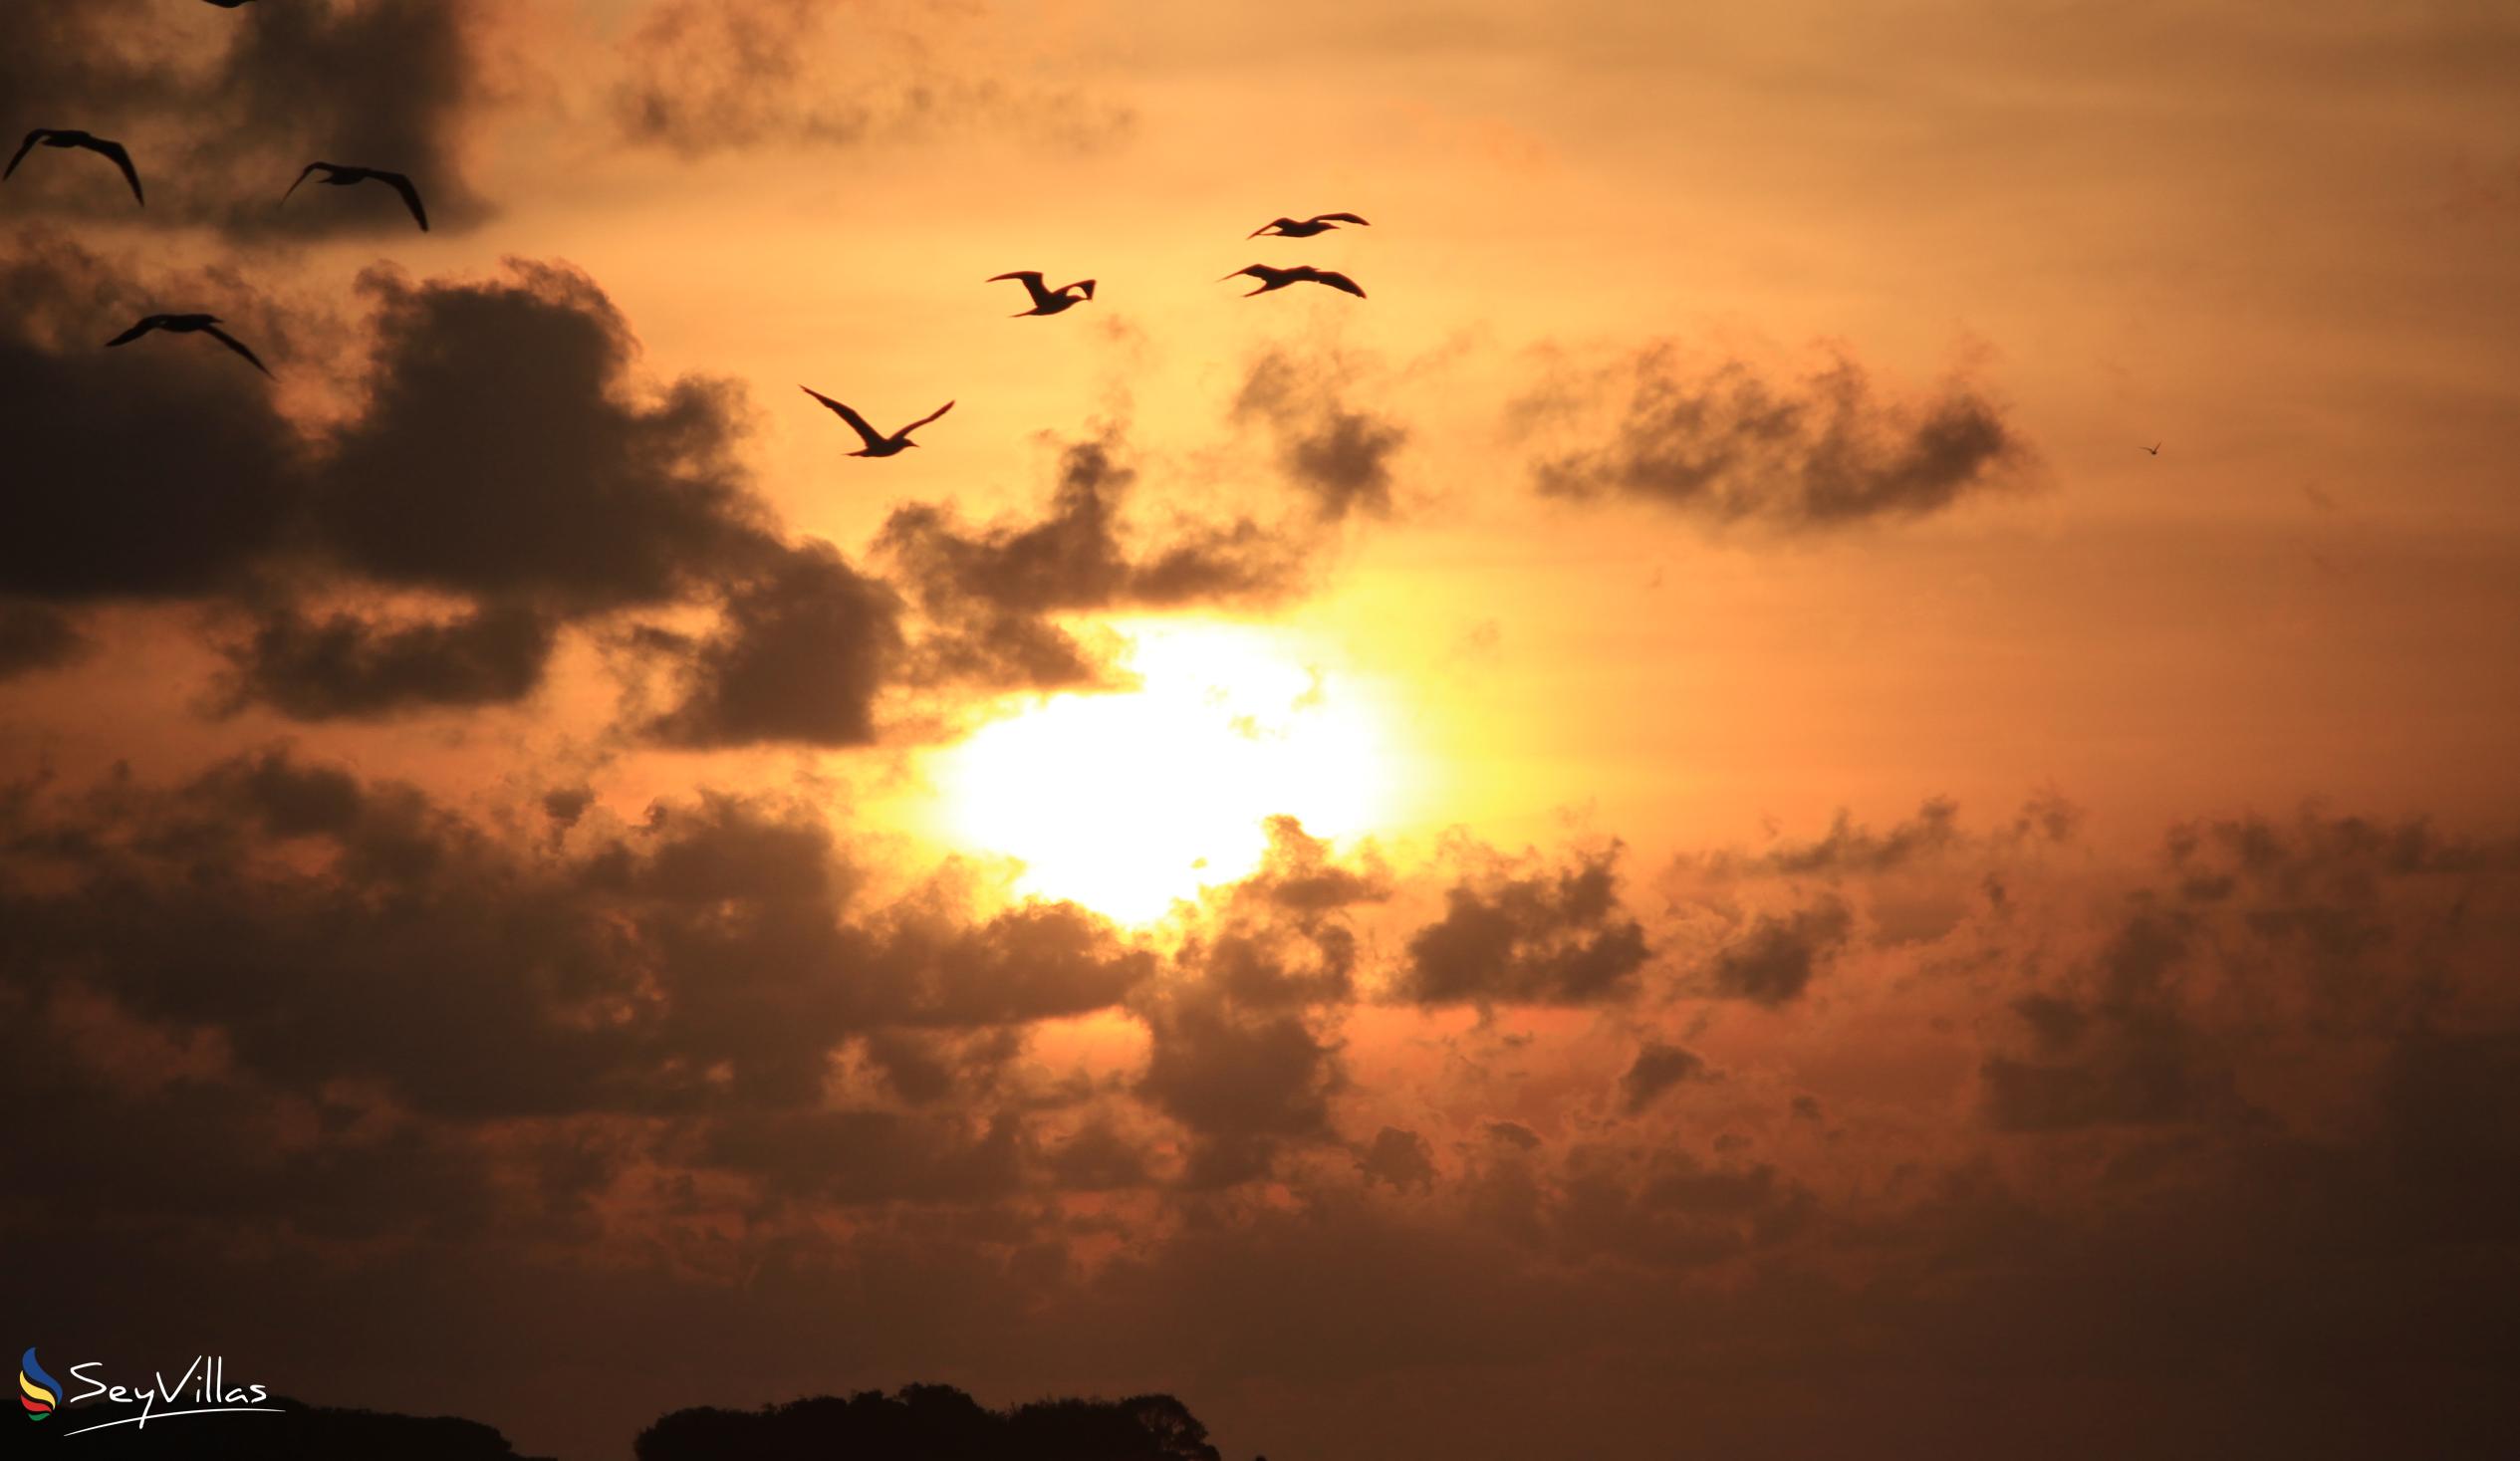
{"x": 1301, "y": 274}
{"x": 2154, "y": 449}
{"x": 878, "y": 444}
{"x": 1048, "y": 301}
{"x": 189, "y": 324}
{"x": 337, "y": 174}
{"x": 62, "y": 137}
{"x": 1305, "y": 227}
{"x": 230, "y": 4}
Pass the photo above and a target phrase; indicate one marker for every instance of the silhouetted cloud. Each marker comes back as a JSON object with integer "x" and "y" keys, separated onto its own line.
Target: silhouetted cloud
{"x": 1548, "y": 938}
{"x": 1773, "y": 961}
{"x": 1339, "y": 455}
{"x": 344, "y": 666}
{"x": 507, "y": 450}
{"x": 1730, "y": 445}
{"x": 702, "y": 77}
{"x": 140, "y": 473}
{"x": 1401, "y": 1158}
{"x": 218, "y": 129}
{"x": 36, "y": 637}
{"x": 799, "y": 654}
{"x": 1656, "y": 1070}
{"x": 992, "y": 592}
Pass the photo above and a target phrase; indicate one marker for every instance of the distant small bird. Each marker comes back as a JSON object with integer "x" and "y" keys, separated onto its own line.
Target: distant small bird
{"x": 1301, "y": 274}
{"x": 2154, "y": 449}
{"x": 878, "y": 444}
{"x": 62, "y": 137}
{"x": 189, "y": 325}
{"x": 1306, "y": 227}
{"x": 230, "y": 4}
{"x": 338, "y": 176}
{"x": 1048, "y": 301}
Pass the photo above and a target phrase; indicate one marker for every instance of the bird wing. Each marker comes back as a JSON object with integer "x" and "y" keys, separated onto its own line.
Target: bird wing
{"x": 1337, "y": 280}
{"x": 410, "y": 195}
{"x": 1264, "y": 228}
{"x": 1251, "y": 268}
{"x": 1341, "y": 218}
{"x": 856, "y": 421}
{"x": 1084, "y": 284}
{"x": 923, "y": 420}
{"x": 121, "y": 158}
{"x": 134, "y": 332}
{"x": 32, "y": 138}
{"x": 232, "y": 343}
{"x": 311, "y": 170}
{"x": 1031, "y": 280}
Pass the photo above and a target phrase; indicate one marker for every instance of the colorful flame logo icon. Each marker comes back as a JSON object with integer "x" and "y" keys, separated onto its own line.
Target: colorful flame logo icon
{"x": 36, "y": 1391}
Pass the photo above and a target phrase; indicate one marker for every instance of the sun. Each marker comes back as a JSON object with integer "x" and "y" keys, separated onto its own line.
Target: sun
{"x": 1125, "y": 802}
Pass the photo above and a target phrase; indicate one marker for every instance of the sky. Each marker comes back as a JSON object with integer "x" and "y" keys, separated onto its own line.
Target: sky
{"x": 1665, "y": 835}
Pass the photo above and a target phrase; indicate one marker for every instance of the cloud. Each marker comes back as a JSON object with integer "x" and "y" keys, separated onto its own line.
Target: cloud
{"x": 1546, "y": 938}
{"x": 1773, "y": 961}
{"x": 221, "y": 112}
{"x": 1728, "y": 444}
{"x": 148, "y": 472}
{"x": 1657, "y": 1069}
{"x": 1401, "y": 1159}
{"x": 799, "y": 655}
{"x": 703, "y": 77}
{"x": 344, "y": 666}
{"x": 993, "y": 593}
{"x": 37, "y": 637}
{"x": 505, "y": 448}
{"x": 1338, "y": 456}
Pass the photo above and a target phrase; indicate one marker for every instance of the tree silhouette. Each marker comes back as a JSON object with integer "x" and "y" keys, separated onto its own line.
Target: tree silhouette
{"x": 933, "y": 1423}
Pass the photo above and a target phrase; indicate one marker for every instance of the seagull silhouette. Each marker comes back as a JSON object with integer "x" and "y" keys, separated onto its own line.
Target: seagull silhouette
{"x": 1048, "y": 301}
{"x": 189, "y": 325}
{"x": 1301, "y": 274}
{"x": 230, "y": 4}
{"x": 878, "y": 444}
{"x": 62, "y": 137}
{"x": 1305, "y": 227}
{"x": 337, "y": 174}
{"x": 2154, "y": 449}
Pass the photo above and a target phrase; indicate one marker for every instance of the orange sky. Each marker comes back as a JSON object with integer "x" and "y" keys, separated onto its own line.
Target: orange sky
{"x": 2283, "y": 243}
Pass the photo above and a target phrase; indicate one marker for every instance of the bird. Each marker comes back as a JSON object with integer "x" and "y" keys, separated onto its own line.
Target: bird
{"x": 1301, "y": 274}
{"x": 339, "y": 175}
{"x": 1048, "y": 301}
{"x": 230, "y": 4}
{"x": 878, "y": 444}
{"x": 189, "y": 324}
{"x": 2153, "y": 450}
{"x": 1306, "y": 227}
{"x": 62, "y": 137}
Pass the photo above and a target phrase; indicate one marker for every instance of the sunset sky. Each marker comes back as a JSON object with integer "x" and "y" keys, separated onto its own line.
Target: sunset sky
{"x": 1664, "y": 838}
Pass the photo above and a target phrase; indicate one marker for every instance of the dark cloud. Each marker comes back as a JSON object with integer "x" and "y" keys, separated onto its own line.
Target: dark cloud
{"x": 1245, "y": 1083}
{"x": 506, "y": 449}
{"x": 1546, "y": 938}
{"x": 1340, "y": 456}
{"x": 702, "y": 77}
{"x": 1656, "y": 1070}
{"x": 344, "y": 666}
{"x": 799, "y": 654}
{"x": 37, "y": 637}
{"x": 993, "y": 593}
{"x": 1729, "y": 445}
{"x": 1401, "y": 1158}
{"x": 160, "y": 470}
{"x": 1773, "y": 961}
{"x": 221, "y": 112}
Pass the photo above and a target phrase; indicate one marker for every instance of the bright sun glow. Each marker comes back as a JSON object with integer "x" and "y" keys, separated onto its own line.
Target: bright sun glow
{"x": 1125, "y": 802}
